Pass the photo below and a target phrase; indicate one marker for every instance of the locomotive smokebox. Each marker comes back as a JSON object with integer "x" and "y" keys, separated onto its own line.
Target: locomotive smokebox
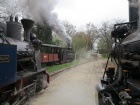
{"x": 27, "y": 25}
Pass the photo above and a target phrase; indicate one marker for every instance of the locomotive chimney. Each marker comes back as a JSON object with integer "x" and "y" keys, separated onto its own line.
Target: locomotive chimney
{"x": 27, "y": 25}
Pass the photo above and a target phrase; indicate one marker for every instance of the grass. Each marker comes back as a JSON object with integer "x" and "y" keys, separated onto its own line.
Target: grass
{"x": 62, "y": 66}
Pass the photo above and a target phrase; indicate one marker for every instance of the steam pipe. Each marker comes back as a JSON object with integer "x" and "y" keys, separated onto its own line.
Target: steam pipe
{"x": 119, "y": 77}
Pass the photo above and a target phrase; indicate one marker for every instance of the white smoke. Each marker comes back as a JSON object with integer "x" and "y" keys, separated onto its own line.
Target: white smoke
{"x": 9, "y": 7}
{"x": 42, "y": 12}
{"x": 39, "y": 10}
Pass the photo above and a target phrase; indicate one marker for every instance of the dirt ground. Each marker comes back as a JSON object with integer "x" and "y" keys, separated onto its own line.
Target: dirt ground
{"x": 75, "y": 86}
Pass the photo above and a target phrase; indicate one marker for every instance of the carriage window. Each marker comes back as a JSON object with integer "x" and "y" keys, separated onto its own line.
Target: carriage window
{"x": 52, "y": 51}
{"x": 57, "y": 50}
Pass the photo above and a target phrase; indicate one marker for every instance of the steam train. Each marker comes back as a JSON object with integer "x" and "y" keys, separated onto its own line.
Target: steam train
{"x": 120, "y": 84}
{"x": 52, "y": 54}
{"x": 21, "y": 74}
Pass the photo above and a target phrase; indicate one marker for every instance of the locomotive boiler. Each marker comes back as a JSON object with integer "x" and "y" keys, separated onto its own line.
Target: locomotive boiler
{"x": 120, "y": 84}
{"x": 21, "y": 74}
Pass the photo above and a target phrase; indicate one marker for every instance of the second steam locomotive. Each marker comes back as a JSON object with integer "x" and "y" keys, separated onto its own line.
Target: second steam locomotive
{"x": 120, "y": 84}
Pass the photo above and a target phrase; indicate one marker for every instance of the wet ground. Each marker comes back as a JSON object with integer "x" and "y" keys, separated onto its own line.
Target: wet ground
{"x": 75, "y": 86}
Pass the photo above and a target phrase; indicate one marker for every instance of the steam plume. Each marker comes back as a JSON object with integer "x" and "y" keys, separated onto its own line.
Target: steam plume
{"x": 42, "y": 12}
{"x": 39, "y": 10}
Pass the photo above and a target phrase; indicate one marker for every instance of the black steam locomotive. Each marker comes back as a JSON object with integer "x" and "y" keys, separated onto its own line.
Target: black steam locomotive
{"x": 120, "y": 84}
{"x": 21, "y": 74}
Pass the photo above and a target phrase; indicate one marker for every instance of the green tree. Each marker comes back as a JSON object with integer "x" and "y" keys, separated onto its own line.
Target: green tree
{"x": 102, "y": 47}
{"x": 59, "y": 42}
{"x": 44, "y": 33}
{"x": 105, "y": 41}
{"x": 79, "y": 44}
{"x": 79, "y": 41}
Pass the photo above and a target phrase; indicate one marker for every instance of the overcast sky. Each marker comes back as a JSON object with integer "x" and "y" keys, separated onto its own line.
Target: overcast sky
{"x": 80, "y": 12}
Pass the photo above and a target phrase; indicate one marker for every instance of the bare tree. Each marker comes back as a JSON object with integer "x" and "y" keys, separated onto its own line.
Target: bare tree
{"x": 70, "y": 29}
{"x": 105, "y": 34}
{"x": 106, "y": 41}
{"x": 92, "y": 33}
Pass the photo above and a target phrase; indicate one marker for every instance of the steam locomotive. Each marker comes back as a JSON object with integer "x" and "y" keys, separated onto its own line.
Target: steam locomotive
{"x": 21, "y": 74}
{"x": 120, "y": 84}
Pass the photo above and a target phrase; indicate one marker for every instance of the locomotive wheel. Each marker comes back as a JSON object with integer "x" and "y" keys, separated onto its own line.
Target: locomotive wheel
{"x": 42, "y": 82}
{"x": 39, "y": 83}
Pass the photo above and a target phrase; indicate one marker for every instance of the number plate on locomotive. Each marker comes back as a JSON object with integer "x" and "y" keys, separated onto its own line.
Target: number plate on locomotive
{"x": 4, "y": 58}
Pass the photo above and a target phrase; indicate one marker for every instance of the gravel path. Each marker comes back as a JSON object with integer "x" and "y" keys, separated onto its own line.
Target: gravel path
{"x": 75, "y": 86}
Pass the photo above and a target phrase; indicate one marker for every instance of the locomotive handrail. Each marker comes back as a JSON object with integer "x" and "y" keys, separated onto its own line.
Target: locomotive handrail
{"x": 4, "y": 39}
